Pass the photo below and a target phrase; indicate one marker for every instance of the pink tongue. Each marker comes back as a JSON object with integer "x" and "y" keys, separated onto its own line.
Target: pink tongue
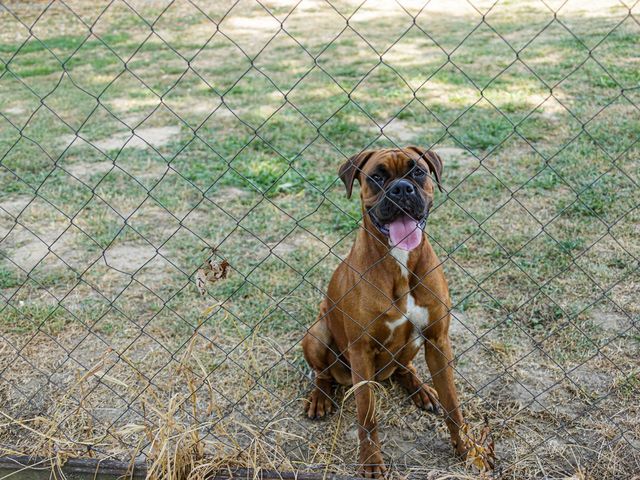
{"x": 405, "y": 233}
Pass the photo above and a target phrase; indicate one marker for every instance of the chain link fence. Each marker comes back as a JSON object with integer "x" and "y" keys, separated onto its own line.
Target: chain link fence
{"x": 151, "y": 151}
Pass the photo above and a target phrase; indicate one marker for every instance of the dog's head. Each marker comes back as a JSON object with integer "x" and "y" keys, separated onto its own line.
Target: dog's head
{"x": 396, "y": 190}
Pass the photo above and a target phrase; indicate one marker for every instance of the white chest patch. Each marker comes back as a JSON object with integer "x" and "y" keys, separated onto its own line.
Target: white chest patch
{"x": 393, "y": 325}
{"x": 402, "y": 257}
{"x": 418, "y": 316}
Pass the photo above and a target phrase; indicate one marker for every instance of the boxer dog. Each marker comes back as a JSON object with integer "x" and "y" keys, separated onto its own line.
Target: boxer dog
{"x": 387, "y": 299}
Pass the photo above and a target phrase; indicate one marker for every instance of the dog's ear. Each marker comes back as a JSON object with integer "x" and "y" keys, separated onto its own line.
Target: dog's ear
{"x": 350, "y": 169}
{"x": 433, "y": 161}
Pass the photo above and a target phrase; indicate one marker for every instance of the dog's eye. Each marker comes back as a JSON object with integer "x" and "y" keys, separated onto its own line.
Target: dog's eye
{"x": 377, "y": 178}
{"x": 418, "y": 173}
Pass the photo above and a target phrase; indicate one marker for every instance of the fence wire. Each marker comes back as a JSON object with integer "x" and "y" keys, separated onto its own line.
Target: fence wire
{"x": 154, "y": 151}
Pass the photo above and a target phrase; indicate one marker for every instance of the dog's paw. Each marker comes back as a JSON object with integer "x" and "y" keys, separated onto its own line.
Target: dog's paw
{"x": 373, "y": 466}
{"x": 319, "y": 404}
{"x": 460, "y": 448}
{"x": 426, "y": 398}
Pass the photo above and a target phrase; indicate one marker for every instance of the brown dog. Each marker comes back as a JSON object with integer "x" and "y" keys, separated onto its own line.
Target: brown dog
{"x": 385, "y": 300}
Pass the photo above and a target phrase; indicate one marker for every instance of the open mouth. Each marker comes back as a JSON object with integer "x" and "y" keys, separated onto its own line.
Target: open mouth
{"x": 404, "y": 232}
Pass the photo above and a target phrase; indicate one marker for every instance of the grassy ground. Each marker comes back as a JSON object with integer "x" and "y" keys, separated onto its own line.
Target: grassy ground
{"x": 237, "y": 137}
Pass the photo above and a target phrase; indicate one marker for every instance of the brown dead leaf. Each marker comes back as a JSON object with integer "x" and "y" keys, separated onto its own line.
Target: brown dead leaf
{"x": 480, "y": 447}
{"x": 211, "y": 272}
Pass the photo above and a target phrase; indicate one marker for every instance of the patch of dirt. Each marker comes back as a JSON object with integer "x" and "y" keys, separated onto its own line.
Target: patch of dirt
{"x": 26, "y": 250}
{"x": 15, "y": 110}
{"x": 128, "y": 103}
{"x": 23, "y": 249}
{"x": 13, "y": 206}
{"x": 596, "y": 381}
{"x": 251, "y": 33}
{"x": 532, "y": 387}
{"x": 133, "y": 119}
{"x": 231, "y": 193}
{"x": 284, "y": 247}
{"x": 459, "y": 159}
{"x": 142, "y": 139}
{"x": 128, "y": 258}
{"x": 610, "y": 322}
{"x": 401, "y": 132}
{"x": 84, "y": 170}
{"x": 458, "y": 323}
{"x": 298, "y": 244}
{"x": 459, "y": 156}
{"x": 72, "y": 249}
{"x": 153, "y": 136}
{"x": 196, "y": 106}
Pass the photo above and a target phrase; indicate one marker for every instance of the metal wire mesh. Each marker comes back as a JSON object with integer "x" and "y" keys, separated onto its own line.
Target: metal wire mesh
{"x": 139, "y": 140}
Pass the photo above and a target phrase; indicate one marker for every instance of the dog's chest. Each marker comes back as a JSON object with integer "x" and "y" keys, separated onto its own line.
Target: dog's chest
{"x": 413, "y": 313}
{"x": 418, "y": 316}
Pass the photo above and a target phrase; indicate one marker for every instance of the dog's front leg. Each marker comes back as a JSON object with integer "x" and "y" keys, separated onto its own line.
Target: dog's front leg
{"x": 439, "y": 358}
{"x": 362, "y": 360}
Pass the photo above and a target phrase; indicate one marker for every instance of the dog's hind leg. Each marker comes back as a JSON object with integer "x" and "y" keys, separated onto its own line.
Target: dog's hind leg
{"x": 317, "y": 348}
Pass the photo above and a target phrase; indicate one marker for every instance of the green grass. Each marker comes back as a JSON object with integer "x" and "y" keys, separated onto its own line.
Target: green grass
{"x": 9, "y": 279}
{"x": 28, "y": 320}
{"x": 334, "y": 124}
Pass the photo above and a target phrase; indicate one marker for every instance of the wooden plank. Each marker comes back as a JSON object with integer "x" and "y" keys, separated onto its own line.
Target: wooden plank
{"x": 139, "y": 470}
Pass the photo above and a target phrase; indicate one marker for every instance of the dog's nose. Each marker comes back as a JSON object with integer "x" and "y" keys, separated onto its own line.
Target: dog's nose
{"x": 401, "y": 189}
